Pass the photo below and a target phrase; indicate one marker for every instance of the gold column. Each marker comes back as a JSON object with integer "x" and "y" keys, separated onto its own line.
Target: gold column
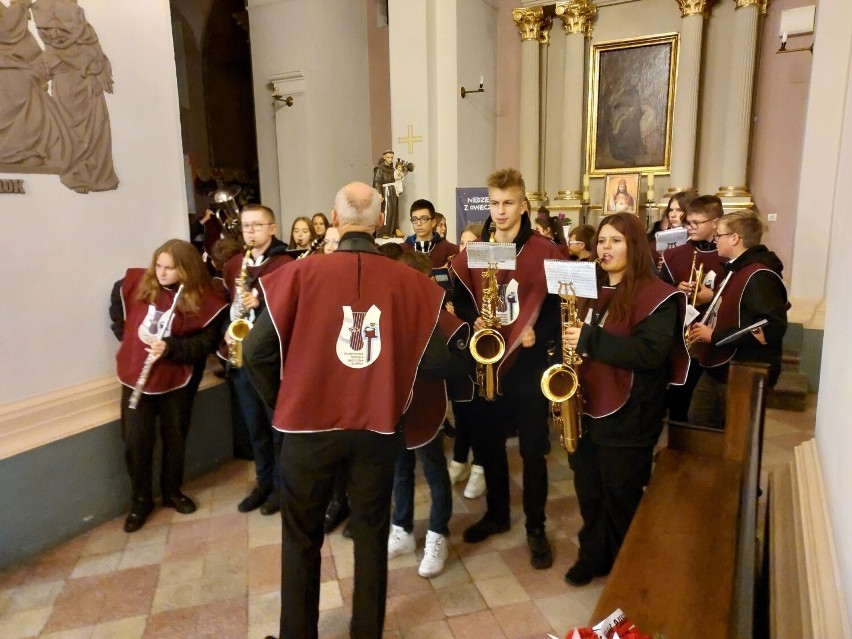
{"x": 544, "y": 50}
{"x": 529, "y": 23}
{"x": 734, "y": 190}
{"x": 577, "y": 17}
{"x": 685, "y": 116}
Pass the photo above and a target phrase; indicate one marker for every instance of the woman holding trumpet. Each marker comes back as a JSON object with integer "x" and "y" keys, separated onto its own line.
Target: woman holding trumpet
{"x": 167, "y": 319}
{"x": 631, "y": 342}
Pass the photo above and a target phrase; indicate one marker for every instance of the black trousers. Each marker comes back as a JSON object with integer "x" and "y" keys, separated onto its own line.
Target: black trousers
{"x": 609, "y": 483}
{"x": 139, "y": 429}
{"x": 489, "y": 423}
{"x": 309, "y": 464}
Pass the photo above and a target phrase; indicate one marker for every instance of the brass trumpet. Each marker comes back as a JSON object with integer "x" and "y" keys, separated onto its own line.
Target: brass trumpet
{"x": 487, "y": 345}
{"x": 695, "y": 279}
{"x": 560, "y": 383}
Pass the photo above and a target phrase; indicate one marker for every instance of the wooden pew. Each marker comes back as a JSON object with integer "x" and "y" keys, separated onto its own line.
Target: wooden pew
{"x": 686, "y": 569}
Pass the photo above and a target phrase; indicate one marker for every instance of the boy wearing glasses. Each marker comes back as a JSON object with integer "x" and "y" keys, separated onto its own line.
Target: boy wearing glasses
{"x": 268, "y": 253}
{"x": 753, "y": 291}
{"x": 425, "y": 238}
{"x": 700, "y": 220}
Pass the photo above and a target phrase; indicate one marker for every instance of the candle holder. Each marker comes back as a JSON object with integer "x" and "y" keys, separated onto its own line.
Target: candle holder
{"x": 481, "y": 89}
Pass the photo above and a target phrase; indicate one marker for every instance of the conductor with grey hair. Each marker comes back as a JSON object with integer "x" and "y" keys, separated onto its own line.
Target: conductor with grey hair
{"x": 356, "y": 324}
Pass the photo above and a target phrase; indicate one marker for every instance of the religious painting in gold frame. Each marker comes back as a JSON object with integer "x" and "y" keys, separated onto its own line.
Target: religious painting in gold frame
{"x": 631, "y": 99}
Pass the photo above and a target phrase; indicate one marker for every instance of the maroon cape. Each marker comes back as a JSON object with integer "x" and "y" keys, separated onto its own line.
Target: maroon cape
{"x": 678, "y": 261}
{"x": 441, "y": 252}
{"x": 425, "y": 415}
{"x": 531, "y": 291}
{"x": 231, "y": 271}
{"x": 165, "y": 375}
{"x": 728, "y": 315}
{"x": 352, "y": 327}
{"x": 613, "y": 384}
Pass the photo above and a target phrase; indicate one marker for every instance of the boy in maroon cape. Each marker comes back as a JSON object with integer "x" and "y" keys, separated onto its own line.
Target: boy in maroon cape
{"x": 425, "y": 238}
{"x": 700, "y": 219}
{"x": 268, "y": 253}
{"x": 530, "y": 322}
{"x": 358, "y": 325}
{"x": 754, "y": 291}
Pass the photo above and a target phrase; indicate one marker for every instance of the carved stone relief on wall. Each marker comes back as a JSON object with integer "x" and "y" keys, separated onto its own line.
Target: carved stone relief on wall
{"x": 53, "y": 113}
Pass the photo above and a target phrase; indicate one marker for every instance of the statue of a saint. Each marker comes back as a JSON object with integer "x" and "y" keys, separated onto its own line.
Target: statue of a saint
{"x": 384, "y": 181}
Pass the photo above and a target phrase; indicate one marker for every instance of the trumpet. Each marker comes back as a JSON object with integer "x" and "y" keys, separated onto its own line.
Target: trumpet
{"x": 560, "y": 383}
{"x": 239, "y": 329}
{"x": 695, "y": 279}
{"x": 487, "y": 345}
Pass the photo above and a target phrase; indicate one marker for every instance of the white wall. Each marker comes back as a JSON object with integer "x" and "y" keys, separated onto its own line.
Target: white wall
{"x": 326, "y": 42}
{"x": 61, "y": 251}
{"x": 833, "y": 432}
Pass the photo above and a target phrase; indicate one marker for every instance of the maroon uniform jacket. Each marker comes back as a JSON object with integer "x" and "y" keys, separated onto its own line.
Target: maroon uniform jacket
{"x": 141, "y": 319}
{"x": 439, "y": 251}
{"x": 618, "y": 382}
{"x": 428, "y": 407}
{"x": 678, "y": 260}
{"x": 729, "y": 315}
{"x": 356, "y": 324}
{"x": 523, "y": 291}
{"x": 231, "y": 271}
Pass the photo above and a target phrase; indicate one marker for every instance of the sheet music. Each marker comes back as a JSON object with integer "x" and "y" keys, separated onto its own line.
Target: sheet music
{"x": 671, "y": 238}
{"x": 581, "y": 274}
{"x": 483, "y": 254}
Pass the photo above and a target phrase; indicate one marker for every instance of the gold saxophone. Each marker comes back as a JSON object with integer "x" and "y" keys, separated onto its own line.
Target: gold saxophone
{"x": 240, "y": 327}
{"x": 560, "y": 383}
{"x": 487, "y": 344}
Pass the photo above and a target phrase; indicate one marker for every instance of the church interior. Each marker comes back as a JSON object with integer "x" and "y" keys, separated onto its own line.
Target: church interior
{"x": 290, "y": 100}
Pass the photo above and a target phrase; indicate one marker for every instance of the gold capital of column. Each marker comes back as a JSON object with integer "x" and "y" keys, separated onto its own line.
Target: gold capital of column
{"x": 761, "y": 5}
{"x": 694, "y": 7}
{"x": 577, "y": 16}
{"x": 544, "y": 32}
{"x": 529, "y": 21}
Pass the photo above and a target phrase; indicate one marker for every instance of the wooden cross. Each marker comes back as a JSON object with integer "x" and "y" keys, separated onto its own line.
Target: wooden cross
{"x": 411, "y": 139}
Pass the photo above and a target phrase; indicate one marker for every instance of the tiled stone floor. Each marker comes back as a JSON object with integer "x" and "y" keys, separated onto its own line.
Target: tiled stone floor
{"x": 216, "y": 573}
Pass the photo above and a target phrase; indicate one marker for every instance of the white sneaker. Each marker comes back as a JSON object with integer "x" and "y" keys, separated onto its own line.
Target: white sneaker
{"x": 459, "y": 471}
{"x": 400, "y": 542}
{"x": 476, "y": 484}
{"x": 434, "y": 555}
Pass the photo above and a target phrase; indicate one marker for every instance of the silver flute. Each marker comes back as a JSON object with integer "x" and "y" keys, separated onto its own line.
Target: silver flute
{"x": 149, "y": 361}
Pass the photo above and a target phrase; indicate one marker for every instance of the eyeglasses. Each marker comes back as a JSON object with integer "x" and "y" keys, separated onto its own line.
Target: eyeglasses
{"x": 420, "y": 220}
{"x": 718, "y": 235}
{"x": 575, "y": 242}
{"x": 694, "y": 225}
{"x": 255, "y": 226}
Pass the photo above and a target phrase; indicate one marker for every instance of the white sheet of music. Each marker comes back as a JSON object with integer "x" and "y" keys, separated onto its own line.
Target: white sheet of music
{"x": 483, "y": 254}
{"x": 671, "y": 238}
{"x": 580, "y": 274}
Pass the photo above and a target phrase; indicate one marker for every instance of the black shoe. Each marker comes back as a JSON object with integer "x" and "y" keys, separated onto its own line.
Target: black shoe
{"x": 483, "y": 529}
{"x": 580, "y": 574}
{"x": 138, "y": 515}
{"x": 272, "y": 504}
{"x": 541, "y": 556}
{"x": 180, "y": 502}
{"x": 346, "y": 532}
{"x": 256, "y": 499}
{"x": 336, "y": 513}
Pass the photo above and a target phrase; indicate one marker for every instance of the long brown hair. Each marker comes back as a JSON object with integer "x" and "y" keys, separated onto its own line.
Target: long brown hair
{"x": 191, "y": 273}
{"x": 640, "y": 265}
{"x": 306, "y": 220}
